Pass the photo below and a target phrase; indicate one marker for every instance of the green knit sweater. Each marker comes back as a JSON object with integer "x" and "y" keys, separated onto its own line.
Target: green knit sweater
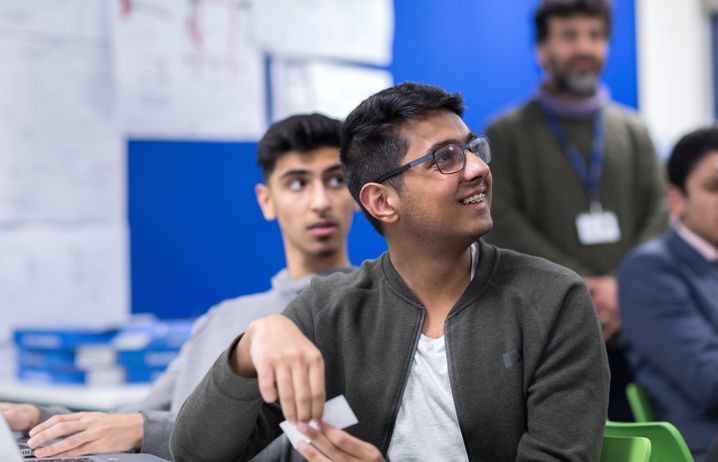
{"x": 537, "y": 193}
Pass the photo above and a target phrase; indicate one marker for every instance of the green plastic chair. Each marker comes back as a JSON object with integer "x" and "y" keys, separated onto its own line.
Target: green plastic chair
{"x": 639, "y": 402}
{"x": 667, "y": 444}
{"x": 626, "y": 449}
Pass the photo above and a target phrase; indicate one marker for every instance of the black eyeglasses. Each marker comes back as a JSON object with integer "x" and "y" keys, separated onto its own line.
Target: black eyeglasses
{"x": 448, "y": 159}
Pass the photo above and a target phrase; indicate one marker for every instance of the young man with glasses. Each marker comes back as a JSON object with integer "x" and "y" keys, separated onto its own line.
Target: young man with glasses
{"x": 446, "y": 348}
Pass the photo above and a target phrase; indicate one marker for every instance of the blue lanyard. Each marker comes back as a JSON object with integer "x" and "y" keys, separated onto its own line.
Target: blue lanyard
{"x": 590, "y": 173}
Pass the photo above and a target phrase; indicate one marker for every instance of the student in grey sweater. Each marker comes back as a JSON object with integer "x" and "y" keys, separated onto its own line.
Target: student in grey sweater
{"x": 304, "y": 190}
{"x": 445, "y": 347}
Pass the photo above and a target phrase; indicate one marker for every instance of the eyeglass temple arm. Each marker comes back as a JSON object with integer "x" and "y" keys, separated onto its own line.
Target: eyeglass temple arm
{"x": 404, "y": 167}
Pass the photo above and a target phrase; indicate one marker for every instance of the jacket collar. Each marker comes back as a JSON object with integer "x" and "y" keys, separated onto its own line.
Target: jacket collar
{"x": 485, "y": 269}
{"x": 700, "y": 245}
{"x": 683, "y": 251}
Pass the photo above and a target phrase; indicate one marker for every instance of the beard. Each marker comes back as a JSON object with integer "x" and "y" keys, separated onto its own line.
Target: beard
{"x": 582, "y": 83}
{"x": 578, "y": 85}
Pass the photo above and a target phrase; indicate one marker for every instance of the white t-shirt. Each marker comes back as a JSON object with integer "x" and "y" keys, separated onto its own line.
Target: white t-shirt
{"x": 427, "y": 427}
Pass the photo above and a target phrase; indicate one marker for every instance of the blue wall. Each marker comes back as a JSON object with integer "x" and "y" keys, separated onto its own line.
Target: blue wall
{"x": 197, "y": 236}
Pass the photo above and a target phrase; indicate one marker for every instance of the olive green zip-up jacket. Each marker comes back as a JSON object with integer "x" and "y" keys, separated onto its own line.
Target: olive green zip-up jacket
{"x": 527, "y": 364}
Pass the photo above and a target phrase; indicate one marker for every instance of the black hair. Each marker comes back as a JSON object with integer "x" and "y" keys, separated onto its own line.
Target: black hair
{"x": 371, "y": 140}
{"x": 688, "y": 152}
{"x": 566, "y": 8}
{"x": 300, "y": 133}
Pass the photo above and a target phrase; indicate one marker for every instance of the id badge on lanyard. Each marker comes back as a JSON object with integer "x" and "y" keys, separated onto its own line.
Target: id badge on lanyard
{"x": 595, "y": 226}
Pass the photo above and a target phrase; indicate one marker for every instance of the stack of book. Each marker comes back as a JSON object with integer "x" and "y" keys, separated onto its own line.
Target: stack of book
{"x": 135, "y": 353}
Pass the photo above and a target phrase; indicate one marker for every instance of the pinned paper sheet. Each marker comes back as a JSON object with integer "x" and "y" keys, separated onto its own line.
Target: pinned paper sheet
{"x": 337, "y": 413}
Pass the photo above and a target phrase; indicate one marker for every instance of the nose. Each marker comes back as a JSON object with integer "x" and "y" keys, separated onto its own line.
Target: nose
{"x": 320, "y": 198}
{"x": 586, "y": 43}
{"x": 475, "y": 167}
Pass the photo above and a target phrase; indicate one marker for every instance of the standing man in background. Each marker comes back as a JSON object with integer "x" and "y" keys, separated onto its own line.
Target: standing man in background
{"x": 669, "y": 295}
{"x": 304, "y": 190}
{"x": 577, "y": 179}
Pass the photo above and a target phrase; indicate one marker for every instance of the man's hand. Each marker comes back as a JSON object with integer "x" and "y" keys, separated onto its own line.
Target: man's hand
{"x": 20, "y": 417}
{"x": 287, "y": 365}
{"x": 331, "y": 444}
{"x": 87, "y": 433}
{"x": 604, "y": 291}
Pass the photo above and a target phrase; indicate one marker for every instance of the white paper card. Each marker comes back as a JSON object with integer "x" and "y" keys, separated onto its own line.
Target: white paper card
{"x": 598, "y": 228}
{"x": 337, "y": 413}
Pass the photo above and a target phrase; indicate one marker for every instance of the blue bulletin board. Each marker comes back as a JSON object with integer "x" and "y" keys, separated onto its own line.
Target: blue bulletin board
{"x": 196, "y": 234}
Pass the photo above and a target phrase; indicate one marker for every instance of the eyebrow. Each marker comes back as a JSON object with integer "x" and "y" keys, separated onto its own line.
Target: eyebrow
{"x": 332, "y": 169}
{"x": 303, "y": 172}
{"x": 295, "y": 172}
{"x": 443, "y": 143}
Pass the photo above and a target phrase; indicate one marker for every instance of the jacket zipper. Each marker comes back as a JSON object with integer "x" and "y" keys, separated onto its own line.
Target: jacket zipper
{"x": 407, "y": 371}
{"x": 454, "y": 396}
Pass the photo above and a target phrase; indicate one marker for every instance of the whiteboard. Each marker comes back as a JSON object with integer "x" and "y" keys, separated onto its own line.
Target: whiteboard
{"x": 63, "y": 232}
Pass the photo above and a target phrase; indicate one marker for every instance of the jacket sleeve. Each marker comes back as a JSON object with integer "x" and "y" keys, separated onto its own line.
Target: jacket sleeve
{"x": 224, "y": 418}
{"x": 158, "y": 421}
{"x": 567, "y": 397}
{"x": 512, "y": 227}
{"x": 652, "y": 180}
{"x": 157, "y": 428}
{"x": 663, "y": 323}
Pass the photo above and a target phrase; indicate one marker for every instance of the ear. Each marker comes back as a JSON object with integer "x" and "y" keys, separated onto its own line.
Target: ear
{"x": 540, "y": 55}
{"x": 264, "y": 199}
{"x": 676, "y": 201}
{"x": 380, "y": 201}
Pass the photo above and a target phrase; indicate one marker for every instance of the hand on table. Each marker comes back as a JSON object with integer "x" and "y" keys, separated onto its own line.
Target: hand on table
{"x": 287, "y": 365}
{"x": 604, "y": 291}
{"x": 331, "y": 444}
{"x": 20, "y": 417}
{"x": 86, "y": 433}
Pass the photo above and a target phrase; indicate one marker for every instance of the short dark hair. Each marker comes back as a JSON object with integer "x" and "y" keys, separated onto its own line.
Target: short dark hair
{"x": 300, "y": 133}
{"x": 566, "y": 8}
{"x": 688, "y": 152}
{"x": 371, "y": 140}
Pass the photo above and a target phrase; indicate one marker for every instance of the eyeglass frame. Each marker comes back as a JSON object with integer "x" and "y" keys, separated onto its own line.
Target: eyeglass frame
{"x": 431, "y": 155}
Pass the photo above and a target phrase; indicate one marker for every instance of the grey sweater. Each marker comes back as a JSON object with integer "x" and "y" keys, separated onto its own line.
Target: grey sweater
{"x": 537, "y": 194}
{"x": 211, "y": 334}
{"x": 527, "y": 364}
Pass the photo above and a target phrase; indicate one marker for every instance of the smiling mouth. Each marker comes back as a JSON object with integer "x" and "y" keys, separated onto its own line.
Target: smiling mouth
{"x": 475, "y": 199}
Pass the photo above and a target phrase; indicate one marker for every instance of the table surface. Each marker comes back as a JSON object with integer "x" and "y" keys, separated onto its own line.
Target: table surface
{"x": 76, "y": 397}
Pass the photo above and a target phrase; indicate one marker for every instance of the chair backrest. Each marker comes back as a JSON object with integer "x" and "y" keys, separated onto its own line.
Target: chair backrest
{"x": 640, "y": 403}
{"x": 667, "y": 444}
{"x": 625, "y": 449}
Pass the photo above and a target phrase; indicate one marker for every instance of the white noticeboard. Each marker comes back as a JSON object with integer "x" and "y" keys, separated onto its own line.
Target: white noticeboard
{"x": 353, "y": 30}
{"x": 62, "y": 277}
{"x": 333, "y": 89}
{"x": 63, "y": 236}
{"x": 188, "y": 70}
{"x": 62, "y": 157}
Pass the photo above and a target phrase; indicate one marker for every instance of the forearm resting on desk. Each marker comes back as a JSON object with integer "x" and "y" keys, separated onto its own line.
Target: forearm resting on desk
{"x": 87, "y": 432}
